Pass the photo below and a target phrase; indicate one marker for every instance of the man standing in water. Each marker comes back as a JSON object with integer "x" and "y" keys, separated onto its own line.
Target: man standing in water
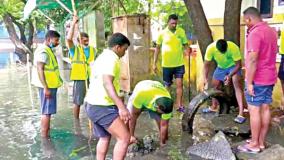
{"x": 104, "y": 107}
{"x": 172, "y": 42}
{"x": 81, "y": 56}
{"x": 46, "y": 76}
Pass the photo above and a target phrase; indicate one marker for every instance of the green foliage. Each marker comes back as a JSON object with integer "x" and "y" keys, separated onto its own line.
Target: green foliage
{"x": 14, "y": 7}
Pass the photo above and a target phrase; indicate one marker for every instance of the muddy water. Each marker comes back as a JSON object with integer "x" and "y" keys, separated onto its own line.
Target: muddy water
{"x": 20, "y": 126}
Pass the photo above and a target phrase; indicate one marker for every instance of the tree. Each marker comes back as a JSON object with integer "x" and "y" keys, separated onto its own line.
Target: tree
{"x": 232, "y": 20}
{"x": 10, "y": 13}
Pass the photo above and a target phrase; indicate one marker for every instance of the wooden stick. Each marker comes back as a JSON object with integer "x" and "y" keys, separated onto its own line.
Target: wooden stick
{"x": 64, "y": 6}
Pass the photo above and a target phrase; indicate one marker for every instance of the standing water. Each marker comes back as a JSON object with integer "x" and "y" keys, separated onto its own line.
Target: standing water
{"x": 20, "y": 126}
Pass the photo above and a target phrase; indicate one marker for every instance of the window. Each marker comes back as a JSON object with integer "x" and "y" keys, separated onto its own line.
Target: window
{"x": 266, "y": 7}
{"x": 280, "y": 2}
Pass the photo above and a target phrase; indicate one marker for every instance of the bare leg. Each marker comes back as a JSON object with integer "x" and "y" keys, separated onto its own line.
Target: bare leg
{"x": 76, "y": 111}
{"x": 120, "y": 131}
{"x": 216, "y": 84}
{"x": 255, "y": 125}
{"x": 45, "y": 125}
{"x": 239, "y": 93}
{"x": 102, "y": 147}
{"x": 265, "y": 121}
{"x": 179, "y": 91}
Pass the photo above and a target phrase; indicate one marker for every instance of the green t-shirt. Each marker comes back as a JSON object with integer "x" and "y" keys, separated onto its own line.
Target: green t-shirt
{"x": 145, "y": 94}
{"x": 223, "y": 60}
{"x": 281, "y": 48}
{"x": 172, "y": 47}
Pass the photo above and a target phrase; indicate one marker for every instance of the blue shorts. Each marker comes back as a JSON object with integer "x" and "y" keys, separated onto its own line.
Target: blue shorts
{"x": 79, "y": 92}
{"x": 281, "y": 69}
{"x": 172, "y": 72}
{"x": 102, "y": 117}
{"x": 220, "y": 73}
{"x": 263, "y": 95}
{"x": 48, "y": 106}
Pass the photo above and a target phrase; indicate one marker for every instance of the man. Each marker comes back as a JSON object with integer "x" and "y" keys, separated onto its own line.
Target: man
{"x": 281, "y": 73}
{"x": 81, "y": 56}
{"x": 104, "y": 107}
{"x": 172, "y": 41}
{"x": 46, "y": 76}
{"x": 261, "y": 75}
{"x": 153, "y": 97}
{"x": 228, "y": 58}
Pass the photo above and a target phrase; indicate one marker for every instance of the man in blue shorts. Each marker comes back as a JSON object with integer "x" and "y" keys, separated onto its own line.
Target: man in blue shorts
{"x": 228, "y": 58}
{"x": 104, "y": 107}
{"x": 46, "y": 77}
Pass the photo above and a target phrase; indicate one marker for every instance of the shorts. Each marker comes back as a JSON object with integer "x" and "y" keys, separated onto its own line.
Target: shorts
{"x": 220, "y": 73}
{"x": 79, "y": 92}
{"x": 263, "y": 95}
{"x": 48, "y": 106}
{"x": 102, "y": 117}
{"x": 281, "y": 69}
{"x": 172, "y": 72}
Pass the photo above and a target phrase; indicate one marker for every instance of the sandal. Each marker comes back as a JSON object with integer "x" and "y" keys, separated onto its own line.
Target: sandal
{"x": 181, "y": 109}
{"x": 240, "y": 119}
{"x": 246, "y": 149}
{"x": 261, "y": 147}
{"x": 208, "y": 110}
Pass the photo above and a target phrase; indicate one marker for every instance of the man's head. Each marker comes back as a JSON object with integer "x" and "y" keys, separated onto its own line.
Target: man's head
{"x": 172, "y": 21}
{"x": 84, "y": 41}
{"x": 251, "y": 16}
{"x": 165, "y": 105}
{"x": 222, "y": 45}
{"x": 52, "y": 38}
{"x": 118, "y": 43}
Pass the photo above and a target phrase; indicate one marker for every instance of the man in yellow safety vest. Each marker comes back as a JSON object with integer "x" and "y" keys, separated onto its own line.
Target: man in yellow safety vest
{"x": 46, "y": 76}
{"x": 81, "y": 56}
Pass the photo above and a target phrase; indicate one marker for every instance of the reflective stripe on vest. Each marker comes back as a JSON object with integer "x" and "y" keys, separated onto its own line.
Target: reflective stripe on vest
{"x": 51, "y": 71}
{"x": 80, "y": 66}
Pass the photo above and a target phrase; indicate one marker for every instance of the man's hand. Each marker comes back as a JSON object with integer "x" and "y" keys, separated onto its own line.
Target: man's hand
{"x": 155, "y": 68}
{"x": 124, "y": 115}
{"x": 250, "y": 89}
{"x": 47, "y": 93}
{"x": 133, "y": 139}
{"x": 227, "y": 80}
{"x": 75, "y": 19}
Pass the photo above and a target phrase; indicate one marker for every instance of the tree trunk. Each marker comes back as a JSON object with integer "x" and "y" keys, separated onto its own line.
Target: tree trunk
{"x": 202, "y": 30}
{"x": 20, "y": 48}
{"x": 200, "y": 24}
{"x": 232, "y": 21}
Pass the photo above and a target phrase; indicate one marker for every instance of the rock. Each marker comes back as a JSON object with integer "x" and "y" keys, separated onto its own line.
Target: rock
{"x": 271, "y": 152}
{"x": 218, "y": 148}
{"x": 203, "y": 129}
{"x": 226, "y": 124}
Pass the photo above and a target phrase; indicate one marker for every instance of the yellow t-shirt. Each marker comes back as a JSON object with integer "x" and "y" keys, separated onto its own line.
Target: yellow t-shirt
{"x": 223, "y": 60}
{"x": 172, "y": 47}
{"x": 145, "y": 94}
{"x": 107, "y": 63}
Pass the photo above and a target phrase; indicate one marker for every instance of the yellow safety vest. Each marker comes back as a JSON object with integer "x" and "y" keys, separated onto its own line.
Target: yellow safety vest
{"x": 80, "y": 66}
{"x": 51, "y": 71}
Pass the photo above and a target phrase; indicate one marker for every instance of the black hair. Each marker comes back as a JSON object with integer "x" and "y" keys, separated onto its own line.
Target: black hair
{"x": 118, "y": 39}
{"x": 222, "y": 45}
{"x": 52, "y": 34}
{"x": 84, "y": 34}
{"x": 252, "y": 11}
{"x": 165, "y": 104}
{"x": 172, "y": 16}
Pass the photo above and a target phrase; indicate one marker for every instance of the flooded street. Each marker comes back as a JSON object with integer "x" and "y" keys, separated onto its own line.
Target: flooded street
{"x": 20, "y": 126}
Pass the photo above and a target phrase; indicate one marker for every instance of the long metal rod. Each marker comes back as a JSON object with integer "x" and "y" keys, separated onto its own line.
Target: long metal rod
{"x": 64, "y": 6}
{"x": 46, "y": 16}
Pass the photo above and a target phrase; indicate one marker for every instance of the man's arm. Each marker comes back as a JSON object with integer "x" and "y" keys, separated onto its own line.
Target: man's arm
{"x": 235, "y": 70}
{"x": 69, "y": 39}
{"x": 40, "y": 70}
{"x": 164, "y": 126}
{"x": 132, "y": 124}
{"x": 108, "y": 85}
{"x": 156, "y": 53}
{"x": 252, "y": 62}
